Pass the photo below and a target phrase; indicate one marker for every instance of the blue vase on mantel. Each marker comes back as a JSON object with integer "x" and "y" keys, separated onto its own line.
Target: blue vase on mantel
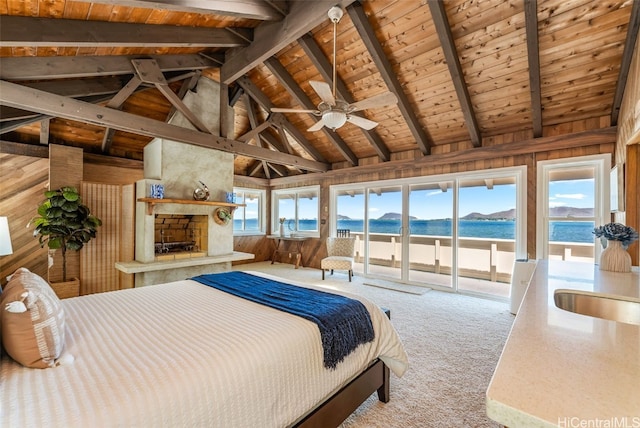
{"x": 614, "y": 258}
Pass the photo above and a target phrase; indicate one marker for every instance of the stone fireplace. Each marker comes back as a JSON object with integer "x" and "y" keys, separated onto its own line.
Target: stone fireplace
{"x": 177, "y": 237}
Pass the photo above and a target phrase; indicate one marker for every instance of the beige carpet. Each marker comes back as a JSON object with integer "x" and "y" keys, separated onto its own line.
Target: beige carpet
{"x": 453, "y": 343}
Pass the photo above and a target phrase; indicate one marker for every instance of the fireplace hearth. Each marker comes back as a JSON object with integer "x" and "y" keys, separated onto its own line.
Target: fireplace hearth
{"x": 178, "y": 236}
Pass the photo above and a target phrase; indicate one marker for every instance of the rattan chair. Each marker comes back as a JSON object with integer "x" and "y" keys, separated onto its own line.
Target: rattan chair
{"x": 341, "y": 252}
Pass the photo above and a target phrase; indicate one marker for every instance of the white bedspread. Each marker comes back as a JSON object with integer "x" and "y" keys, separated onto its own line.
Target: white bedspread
{"x": 184, "y": 354}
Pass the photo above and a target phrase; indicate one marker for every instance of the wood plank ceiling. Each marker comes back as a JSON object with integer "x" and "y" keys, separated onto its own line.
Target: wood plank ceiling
{"x": 463, "y": 71}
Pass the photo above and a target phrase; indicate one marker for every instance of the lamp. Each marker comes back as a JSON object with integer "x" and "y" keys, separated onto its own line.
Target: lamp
{"x": 334, "y": 119}
{"x": 5, "y": 237}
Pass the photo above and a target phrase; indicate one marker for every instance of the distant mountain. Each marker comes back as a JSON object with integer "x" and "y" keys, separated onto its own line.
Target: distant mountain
{"x": 570, "y": 212}
{"x": 500, "y": 215}
{"x": 395, "y": 216}
{"x": 511, "y": 214}
{"x": 343, "y": 217}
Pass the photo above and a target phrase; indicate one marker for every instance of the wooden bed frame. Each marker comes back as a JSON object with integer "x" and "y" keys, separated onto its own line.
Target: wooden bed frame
{"x": 339, "y": 406}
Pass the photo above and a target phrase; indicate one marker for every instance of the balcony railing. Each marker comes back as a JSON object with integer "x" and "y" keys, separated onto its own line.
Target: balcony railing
{"x": 486, "y": 259}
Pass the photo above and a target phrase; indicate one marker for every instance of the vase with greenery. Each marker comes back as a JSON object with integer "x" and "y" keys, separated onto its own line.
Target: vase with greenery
{"x": 64, "y": 223}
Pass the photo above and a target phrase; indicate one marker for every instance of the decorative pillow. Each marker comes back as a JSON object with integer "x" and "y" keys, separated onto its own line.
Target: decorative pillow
{"x": 32, "y": 320}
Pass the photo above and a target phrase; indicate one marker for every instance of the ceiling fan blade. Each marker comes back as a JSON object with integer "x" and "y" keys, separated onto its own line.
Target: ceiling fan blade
{"x": 293, "y": 110}
{"x": 324, "y": 91}
{"x": 318, "y": 126}
{"x": 380, "y": 100}
{"x": 362, "y": 122}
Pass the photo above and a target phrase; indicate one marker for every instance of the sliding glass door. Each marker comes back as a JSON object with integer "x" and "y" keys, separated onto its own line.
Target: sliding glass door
{"x": 385, "y": 231}
{"x": 486, "y": 234}
{"x": 431, "y": 233}
{"x": 451, "y": 232}
{"x": 350, "y": 215}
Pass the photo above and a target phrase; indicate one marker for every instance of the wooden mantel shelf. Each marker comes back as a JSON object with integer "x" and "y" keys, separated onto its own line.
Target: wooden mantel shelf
{"x": 151, "y": 202}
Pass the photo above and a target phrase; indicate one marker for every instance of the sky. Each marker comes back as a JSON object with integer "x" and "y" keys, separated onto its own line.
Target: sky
{"x": 435, "y": 204}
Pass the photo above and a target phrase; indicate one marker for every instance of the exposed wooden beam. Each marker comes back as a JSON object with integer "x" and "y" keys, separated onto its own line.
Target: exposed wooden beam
{"x": 253, "y": 123}
{"x": 44, "y": 131}
{"x": 22, "y": 149}
{"x": 249, "y": 9}
{"x": 8, "y": 114}
{"x": 578, "y": 140}
{"x": 116, "y": 103}
{"x": 18, "y": 96}
{"x": 301, "y": 98}
{"x": 280, "y": 5}
{"x": 533, "y": 53}
{"x": 28, "y": 31}
{"x": 13, "y": 148}
{"x": 284, "y": 139}
{"x": 76, "y": 88}
{"x": 443, "y": 29}
{"x": 257, "y": 129}
{"x": 368, "y": 36}
{"x": 149, "y": 72}
{"x": 59, "y": 67}
{"x": 69, "y": 88}
{"x": 271, "y": 37}
{"x": 323, "y": 65}
{"x": 190, "y": 82}
{"x": 627, "y": 56}
{"x": 15, "y": 124}
{"x": 258, "y": 96}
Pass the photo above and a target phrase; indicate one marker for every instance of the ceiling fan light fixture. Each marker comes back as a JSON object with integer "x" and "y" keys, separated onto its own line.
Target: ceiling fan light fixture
{"x": 334, "y": 119}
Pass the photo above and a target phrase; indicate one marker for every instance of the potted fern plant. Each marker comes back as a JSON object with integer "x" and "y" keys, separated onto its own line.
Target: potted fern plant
{"x": 64, "y": 223}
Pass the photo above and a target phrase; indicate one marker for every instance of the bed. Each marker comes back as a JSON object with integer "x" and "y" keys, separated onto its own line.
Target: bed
{"x": 185, "y": 354}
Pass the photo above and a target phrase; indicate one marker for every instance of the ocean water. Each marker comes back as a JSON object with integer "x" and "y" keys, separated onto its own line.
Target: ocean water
{"x": 577, "y": 231}
{"x": 572, "y": 231}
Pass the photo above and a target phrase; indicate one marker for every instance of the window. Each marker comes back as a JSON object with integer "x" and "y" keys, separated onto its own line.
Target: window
{"x": 250, "y": 219}
{"x": 300, "y": 207}
{"x": 572, "y": 199}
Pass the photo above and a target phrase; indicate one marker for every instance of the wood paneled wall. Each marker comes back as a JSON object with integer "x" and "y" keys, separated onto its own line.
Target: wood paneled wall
{"x": 628, "y": 148}
{"x": 23, "y": 180}
{"x": 581, "y": 138}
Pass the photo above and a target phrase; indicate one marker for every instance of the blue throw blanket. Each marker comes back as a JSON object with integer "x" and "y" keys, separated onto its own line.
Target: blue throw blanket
{"x": 344, "y": 323}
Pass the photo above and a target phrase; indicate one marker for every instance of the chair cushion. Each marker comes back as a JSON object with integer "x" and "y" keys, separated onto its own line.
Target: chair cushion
{"x": 337, "y": 262}
{"x": 344, "y": 247}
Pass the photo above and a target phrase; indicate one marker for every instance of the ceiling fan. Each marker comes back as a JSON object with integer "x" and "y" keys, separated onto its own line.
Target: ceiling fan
{"x": 335, "y": 112}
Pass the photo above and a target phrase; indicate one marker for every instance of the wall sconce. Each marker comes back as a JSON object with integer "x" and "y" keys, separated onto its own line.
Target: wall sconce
{"x": 5, "y": 237}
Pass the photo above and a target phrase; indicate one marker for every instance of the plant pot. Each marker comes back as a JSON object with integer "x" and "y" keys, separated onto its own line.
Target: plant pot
{"x": 67, "y": 289}
{"x": 615, "y": 258}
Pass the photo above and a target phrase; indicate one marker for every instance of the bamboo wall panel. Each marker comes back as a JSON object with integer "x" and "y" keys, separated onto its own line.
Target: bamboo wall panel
{"x": 98, "y": 257}
{"x": 23, "y": 180}
{"x": 65, "y": 169}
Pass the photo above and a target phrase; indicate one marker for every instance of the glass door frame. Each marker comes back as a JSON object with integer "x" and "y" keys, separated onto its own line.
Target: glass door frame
{"x": 518, "y": 172}
{"x": 601, "y": 215}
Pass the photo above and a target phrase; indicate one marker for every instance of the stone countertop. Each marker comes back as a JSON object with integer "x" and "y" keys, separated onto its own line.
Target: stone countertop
{"x": 561, "y": 369}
